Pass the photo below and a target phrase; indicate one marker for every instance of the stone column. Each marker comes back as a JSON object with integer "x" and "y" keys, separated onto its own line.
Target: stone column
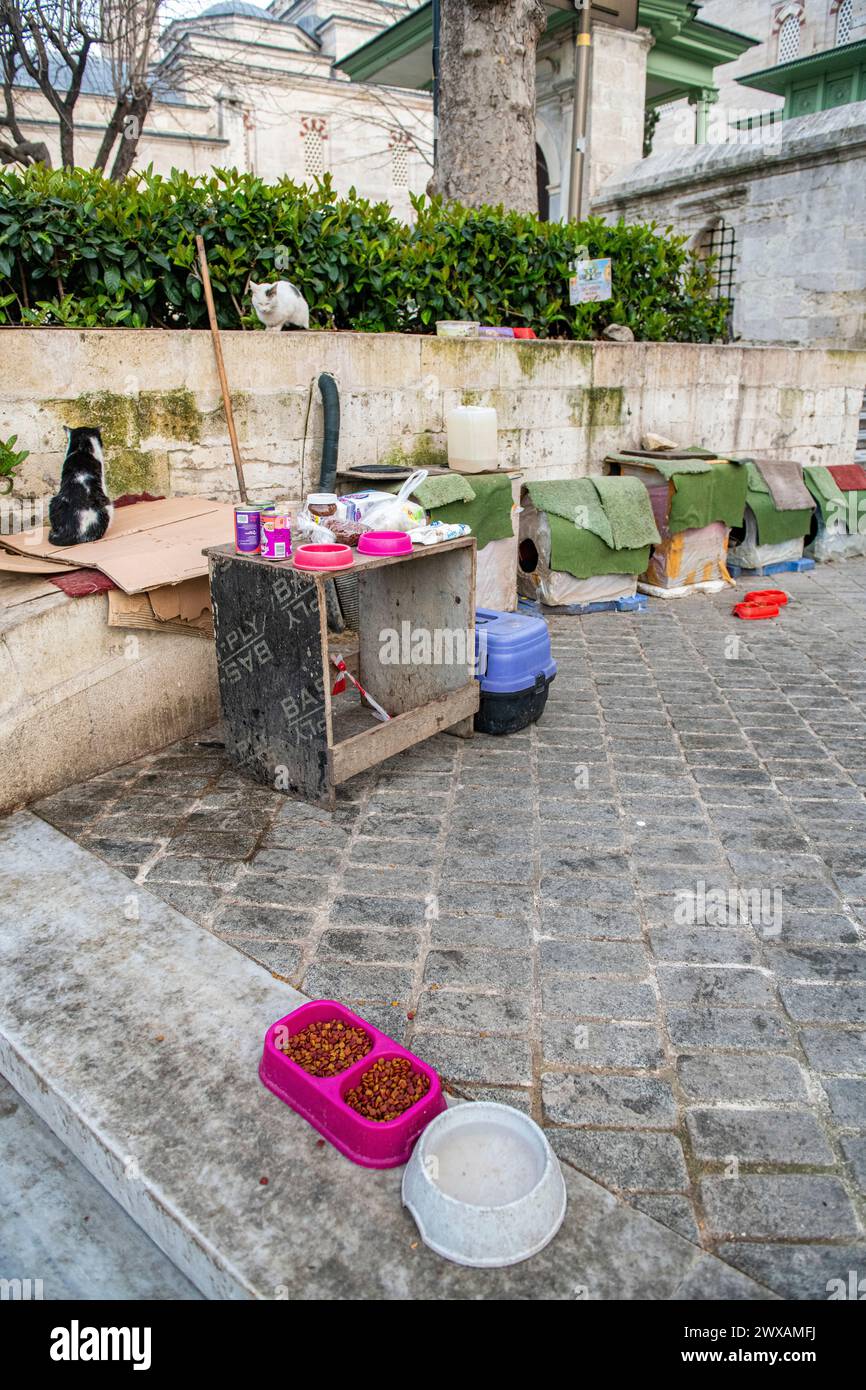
{"x": 617, "y": 97}
{"x": 702, "y": 100}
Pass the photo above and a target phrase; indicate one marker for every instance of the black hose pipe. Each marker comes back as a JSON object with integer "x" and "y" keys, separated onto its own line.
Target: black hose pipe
{"x": 331, "y": 437}
{"x": 328, "y": 479}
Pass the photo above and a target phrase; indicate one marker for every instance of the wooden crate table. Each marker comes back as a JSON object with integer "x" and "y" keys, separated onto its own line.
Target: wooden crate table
{"x": 282, "y": 724}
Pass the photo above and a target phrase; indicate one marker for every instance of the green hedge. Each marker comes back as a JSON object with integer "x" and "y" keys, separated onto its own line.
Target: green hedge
{"x": 78, "y": 250}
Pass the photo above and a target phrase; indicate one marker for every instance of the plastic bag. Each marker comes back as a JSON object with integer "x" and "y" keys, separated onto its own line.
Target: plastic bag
{"x": 309, "y": 530}
{"x": 439, "y": 531}
{"x": 398, "y": 513}
{"x": 747, "y": 553}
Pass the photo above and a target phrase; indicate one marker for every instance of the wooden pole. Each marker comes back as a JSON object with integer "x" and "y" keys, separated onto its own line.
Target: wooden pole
{"x": 220, "y": 365}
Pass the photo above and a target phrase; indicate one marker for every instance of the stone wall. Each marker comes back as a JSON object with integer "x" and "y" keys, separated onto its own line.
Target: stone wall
{"x": 797, "y": 204}
{"x": 561, "y": 406}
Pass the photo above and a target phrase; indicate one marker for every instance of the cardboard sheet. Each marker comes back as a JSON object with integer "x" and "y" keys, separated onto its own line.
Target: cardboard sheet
{"x": 182, "y": 608}
{"x": 147, "y": 545}
{"x": 27, "y": 564}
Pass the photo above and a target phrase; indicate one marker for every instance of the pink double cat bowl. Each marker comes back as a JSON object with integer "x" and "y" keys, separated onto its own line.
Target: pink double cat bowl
{"x": 320, "y": 1099}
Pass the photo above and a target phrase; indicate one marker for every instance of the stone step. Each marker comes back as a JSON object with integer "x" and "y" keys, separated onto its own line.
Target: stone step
{"x": 60, "y": 1230}
{"x": 135, "y": 1034}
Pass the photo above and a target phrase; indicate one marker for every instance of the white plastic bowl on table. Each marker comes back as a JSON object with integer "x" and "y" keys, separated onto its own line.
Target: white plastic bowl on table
{"x": 457, "y": 328}
{"x": 484, "y": 1186}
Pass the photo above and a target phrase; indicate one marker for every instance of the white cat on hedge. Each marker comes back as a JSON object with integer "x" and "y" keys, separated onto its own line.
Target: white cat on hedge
{"x": 279, "y": 304}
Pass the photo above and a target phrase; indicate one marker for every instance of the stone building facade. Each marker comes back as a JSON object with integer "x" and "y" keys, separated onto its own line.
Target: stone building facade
{"x": 784, "y": 31}
{"x": 239, "y": 86}
{"x": 786, "y": 217}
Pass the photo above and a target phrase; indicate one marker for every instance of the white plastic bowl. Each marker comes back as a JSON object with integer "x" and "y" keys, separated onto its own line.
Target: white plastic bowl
{"x": 484, "y": 1186}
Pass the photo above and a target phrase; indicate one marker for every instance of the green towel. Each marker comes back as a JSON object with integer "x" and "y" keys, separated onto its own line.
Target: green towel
{"x": 703, "y": 491}
{"x": 702, "y": 498}
{"x": 576, "y": 501}
{"x": 584, "y": 554}
{"x": 628, "y": 509}
{"x": 825, "y": 490}
{"x": 775, "y": 526}
{"x": 583, "y": 531}
{"x": 489, "y": 511}
{"x": 443, "y": 488}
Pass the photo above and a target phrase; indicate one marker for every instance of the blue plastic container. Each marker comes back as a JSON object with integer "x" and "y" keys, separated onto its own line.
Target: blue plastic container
{"x": 515, "y": 668}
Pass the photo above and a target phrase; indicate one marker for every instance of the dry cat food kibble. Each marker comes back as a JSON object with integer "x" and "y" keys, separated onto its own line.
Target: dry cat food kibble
{"x": 387, "y": 1089}
{"x": 328, "y": 1047}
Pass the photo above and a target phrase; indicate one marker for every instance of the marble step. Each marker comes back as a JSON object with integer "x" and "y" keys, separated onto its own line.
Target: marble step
{"x": 135, "y": 1034}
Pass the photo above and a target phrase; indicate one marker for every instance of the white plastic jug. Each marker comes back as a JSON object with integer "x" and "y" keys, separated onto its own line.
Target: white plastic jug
{"x": 472, "y": 439}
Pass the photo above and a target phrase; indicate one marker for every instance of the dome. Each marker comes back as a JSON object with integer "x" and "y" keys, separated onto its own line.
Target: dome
{"x": 239, "y": 7}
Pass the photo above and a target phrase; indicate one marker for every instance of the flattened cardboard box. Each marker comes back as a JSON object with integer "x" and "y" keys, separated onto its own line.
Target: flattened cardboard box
{"x": 28, "y": 564}
{"x": 147, "y": 545}
{"x": 182, "y": 608}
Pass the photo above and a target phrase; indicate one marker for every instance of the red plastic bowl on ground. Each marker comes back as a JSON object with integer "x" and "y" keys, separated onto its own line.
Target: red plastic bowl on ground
{"x": 385, "y": 543}
{"x": 767, "y": 597}
{"x": 753, "y": 612}
{"x": 319, "y": 1099}
{"x": 323, "y": 557}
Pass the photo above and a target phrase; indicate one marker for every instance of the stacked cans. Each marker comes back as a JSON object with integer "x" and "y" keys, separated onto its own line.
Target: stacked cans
{"x": 260, "y": 530}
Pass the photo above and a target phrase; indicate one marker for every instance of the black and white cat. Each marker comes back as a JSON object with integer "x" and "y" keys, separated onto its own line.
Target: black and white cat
{"x": 280, "y": 303}
{"x": 81, "y": 510}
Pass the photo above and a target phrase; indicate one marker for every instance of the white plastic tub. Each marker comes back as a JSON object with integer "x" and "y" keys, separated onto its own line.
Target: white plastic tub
{"x": 473, "y": 445}
{"x": 484, "y": 1186}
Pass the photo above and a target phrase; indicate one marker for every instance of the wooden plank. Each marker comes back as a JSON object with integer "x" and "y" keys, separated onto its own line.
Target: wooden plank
{"x": 361, "y": 562}
{"x": 269, "y": 642}
{"x": 365, "y": 750}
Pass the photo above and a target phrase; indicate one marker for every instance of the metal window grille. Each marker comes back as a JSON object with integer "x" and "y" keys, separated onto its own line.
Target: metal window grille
{"x": 749, "y": 128}
{"x": 400, "y": 165}
{"x": 789, "y": 39}
{"x": 720, "y": 243}
{"x": 314, "y": 154}
{"x": 843, "y": 22}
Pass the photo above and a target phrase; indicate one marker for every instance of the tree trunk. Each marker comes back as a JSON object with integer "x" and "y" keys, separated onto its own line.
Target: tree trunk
{"x": 112, "y": 130}
{"x": 67, "y": 142}
{"x": 25, "y": 152}
{"x": 486, "y": 137}
{"x": 130, "y": 134}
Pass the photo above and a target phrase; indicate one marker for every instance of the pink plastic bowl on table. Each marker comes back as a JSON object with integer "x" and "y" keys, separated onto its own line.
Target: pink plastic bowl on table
{"x": 372, "y": 1143}
{"x": 323, "y": 557}
{"x": 385, "y": 543}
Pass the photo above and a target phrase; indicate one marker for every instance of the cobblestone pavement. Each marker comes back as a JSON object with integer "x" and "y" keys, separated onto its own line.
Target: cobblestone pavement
{"x": 548, "y": 917}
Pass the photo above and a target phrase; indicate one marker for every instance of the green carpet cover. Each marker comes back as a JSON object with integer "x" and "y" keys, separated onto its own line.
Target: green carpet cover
{"x": 703, "y": 492}
{"x": 489, "y": 511}
{"x": 583, "y": 533}
{"x": 442, "y": 489}
{"x": 775, "y": 526}
{"x": 825, "y": 490}
{"x": 583, "y": 554}
{"x": 629, "y": 510}
{"x": 576, "y": 501}
{"x": 701, "y": 498}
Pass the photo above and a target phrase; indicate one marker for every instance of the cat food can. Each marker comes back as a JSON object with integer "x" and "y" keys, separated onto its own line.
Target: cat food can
{"x": 248, "y": 526}
{"x": 276, "y": 531}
